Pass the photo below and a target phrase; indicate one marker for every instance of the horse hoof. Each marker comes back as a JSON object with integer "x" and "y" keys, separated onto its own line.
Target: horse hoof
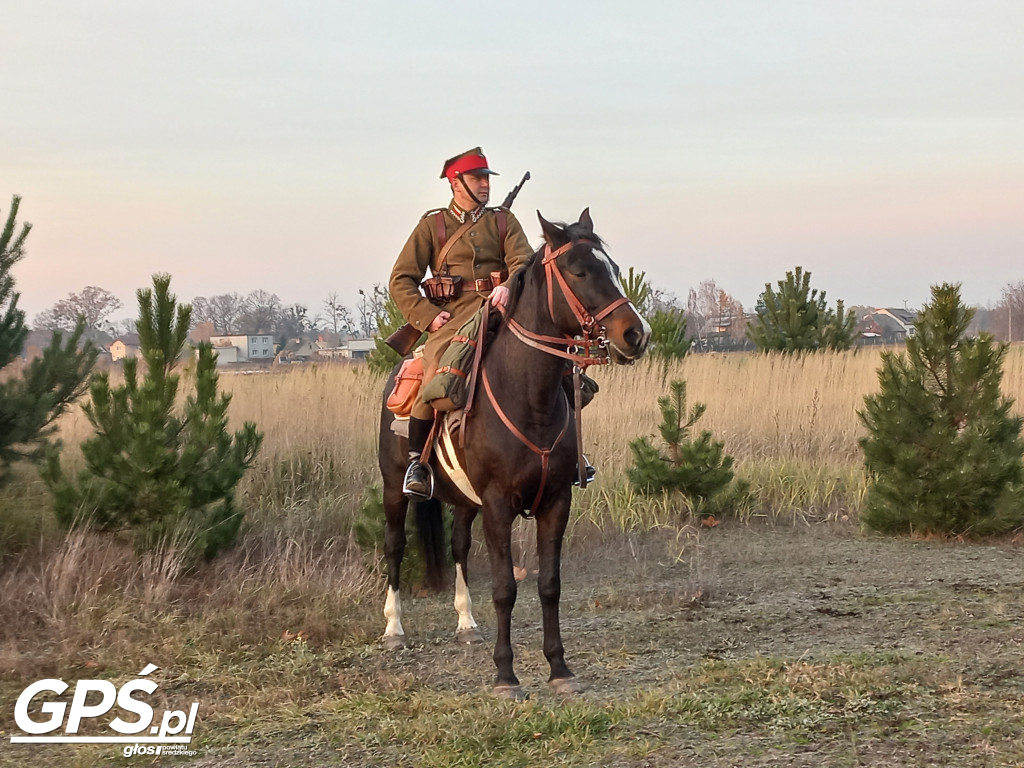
{"x": 470, "y": 636}
{"x": 509, "y": 692}
{"x": 393, "y": 642}
{"x": 566, "y": 686}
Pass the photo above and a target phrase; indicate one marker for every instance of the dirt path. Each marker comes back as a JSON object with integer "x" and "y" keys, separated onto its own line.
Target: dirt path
{"x": 742, "y": 646}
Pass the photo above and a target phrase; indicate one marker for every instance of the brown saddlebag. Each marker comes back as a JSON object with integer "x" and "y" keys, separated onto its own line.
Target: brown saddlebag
{"x": 407, "y": 387}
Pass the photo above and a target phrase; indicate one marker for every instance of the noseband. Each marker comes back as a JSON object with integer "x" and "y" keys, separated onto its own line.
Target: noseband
{"x": 593, "y": 343}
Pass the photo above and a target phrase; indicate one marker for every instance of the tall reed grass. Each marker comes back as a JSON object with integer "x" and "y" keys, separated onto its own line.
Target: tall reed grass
{"x": 790, "y": 422}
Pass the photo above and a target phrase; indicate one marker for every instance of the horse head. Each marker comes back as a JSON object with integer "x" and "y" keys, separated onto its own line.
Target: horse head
{"x": 591, "y": 303}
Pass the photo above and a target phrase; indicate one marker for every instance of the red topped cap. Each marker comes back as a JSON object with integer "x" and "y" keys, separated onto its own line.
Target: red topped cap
{"x": 472, "y": 161}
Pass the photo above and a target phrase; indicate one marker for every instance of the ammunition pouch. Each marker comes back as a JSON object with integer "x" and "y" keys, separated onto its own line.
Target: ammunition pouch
{"x": 440, "y": 290}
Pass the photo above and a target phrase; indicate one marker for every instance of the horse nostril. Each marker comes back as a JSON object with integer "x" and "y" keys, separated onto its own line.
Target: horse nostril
{"x": 635, "y": 338}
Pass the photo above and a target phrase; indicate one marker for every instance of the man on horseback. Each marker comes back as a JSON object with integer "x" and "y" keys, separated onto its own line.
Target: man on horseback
{"x": 470, "y": 250}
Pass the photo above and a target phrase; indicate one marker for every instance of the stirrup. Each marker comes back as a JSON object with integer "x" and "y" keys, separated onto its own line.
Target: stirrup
{"x": 419, "y": 482}
{"x": 590, "y": 469}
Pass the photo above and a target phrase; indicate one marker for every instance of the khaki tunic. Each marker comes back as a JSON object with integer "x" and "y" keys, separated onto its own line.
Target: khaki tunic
{"x": 473, "y": 257}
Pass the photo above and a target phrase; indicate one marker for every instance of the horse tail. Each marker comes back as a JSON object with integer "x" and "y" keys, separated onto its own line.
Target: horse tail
{"x": 430, "y": 532}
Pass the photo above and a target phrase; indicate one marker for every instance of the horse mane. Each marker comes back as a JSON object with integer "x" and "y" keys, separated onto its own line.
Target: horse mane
{"x": 516, "y": 283}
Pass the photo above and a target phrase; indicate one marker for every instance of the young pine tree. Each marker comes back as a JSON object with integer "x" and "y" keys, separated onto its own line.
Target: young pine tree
{"x": 796, "y": 318}
{"x": 943, "y": 450}
{"x": 30, "y": 403}
{"x": 150, "y": 467}
{"x": 695, "y": 467}
{"x": 383, "y": 358}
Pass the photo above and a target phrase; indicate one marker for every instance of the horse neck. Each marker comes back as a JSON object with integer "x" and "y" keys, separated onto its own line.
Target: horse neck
{"x": 533, "y": 374}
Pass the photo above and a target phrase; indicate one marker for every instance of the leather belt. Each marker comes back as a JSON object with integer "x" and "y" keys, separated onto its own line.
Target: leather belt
{"x": 490, "y": 283}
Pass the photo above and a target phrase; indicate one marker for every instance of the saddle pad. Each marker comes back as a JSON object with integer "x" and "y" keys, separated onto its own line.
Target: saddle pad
{"x": 444, "y": 449}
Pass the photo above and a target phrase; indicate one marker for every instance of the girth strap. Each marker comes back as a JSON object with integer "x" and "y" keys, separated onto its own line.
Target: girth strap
{"x": 544, "y": 453}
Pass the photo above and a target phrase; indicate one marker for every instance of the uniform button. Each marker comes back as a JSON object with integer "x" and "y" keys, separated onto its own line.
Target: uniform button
{"x": 473, "y": 233}
{"x": 477, "y": 249}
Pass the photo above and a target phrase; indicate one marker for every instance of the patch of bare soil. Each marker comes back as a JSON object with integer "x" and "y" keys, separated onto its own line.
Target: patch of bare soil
{"x": 641, "y": 614}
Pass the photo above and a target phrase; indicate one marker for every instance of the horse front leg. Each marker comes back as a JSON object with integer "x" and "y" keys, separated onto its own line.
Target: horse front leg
{"x": 551, "y": 524}
{"x": 462, "y": 538}
{"x": 498, "y": 517}
{"x": 395, "y": 507}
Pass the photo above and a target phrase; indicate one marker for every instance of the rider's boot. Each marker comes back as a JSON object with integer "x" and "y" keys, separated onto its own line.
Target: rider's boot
{"x": 418, "y": 482}
{"x": 589, "y": 468}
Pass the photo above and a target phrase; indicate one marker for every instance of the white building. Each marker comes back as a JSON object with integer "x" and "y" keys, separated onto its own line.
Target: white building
{"x": 240, "y": 349}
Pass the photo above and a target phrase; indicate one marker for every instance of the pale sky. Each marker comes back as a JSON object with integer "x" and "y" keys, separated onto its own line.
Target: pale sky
{"x": 293, "y": 146}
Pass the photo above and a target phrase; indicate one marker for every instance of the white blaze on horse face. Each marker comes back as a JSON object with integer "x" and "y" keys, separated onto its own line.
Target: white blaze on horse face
{"x": 603, "y": 257}
{"x": 463, "y": 602}
{"x": 393, "y": 613}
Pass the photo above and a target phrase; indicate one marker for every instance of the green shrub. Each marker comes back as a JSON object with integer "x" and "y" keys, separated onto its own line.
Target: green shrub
{"x": 943, "y": 451}
{"x": 31, "y": 402}
{"x": 149, "y": 469}
{"x": 796, "y": 318}
{"x": 697, "y": 468}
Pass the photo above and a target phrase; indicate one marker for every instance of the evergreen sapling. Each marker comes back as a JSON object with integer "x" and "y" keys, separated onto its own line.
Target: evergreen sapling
{"x": 943, "y": 451}
{"x": 698, "y": 468}
{"x": 151, "y": 469}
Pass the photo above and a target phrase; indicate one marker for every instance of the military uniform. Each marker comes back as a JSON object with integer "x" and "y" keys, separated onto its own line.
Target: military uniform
{"x": 473, "y": 257}
{"x": 494, "y": 242}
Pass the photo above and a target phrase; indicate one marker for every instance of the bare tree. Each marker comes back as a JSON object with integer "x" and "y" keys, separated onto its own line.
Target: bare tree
{"x": 713, "y": 313}
{"x": 701, "y": 309}
{"x": 123, "y": 327}
{"x": 338, "y": 315}
{"x": 372, "y": 308}
{"x": 1013, "y": 298}
{"x": 222, "y": 312}
{"x": 294, "y": 322}
{"x": 92, "y": 303}
{"x": 261, "y": 312}
{"x": 225, "y": 312}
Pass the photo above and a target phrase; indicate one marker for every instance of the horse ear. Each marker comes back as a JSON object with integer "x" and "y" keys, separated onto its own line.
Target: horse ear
{"x": 585, "y": 221}
{"x": 552, "y": 232}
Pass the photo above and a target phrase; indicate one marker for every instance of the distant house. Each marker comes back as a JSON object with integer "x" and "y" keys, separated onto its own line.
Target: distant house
{"x": 349, "y": 349}
{"x": 242, "y": 349}
{"x": 887, "y": 326}
{"x": 358, "y": 349}
{"x": 124, "y": 346}
{"x": 296, "y": 351}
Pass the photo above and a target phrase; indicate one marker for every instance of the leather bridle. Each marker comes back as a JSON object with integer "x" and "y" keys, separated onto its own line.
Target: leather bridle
{"x": 592, "y": 340}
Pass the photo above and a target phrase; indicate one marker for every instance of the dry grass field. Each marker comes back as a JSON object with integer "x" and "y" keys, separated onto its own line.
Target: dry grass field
{"x": 783, "y": 636}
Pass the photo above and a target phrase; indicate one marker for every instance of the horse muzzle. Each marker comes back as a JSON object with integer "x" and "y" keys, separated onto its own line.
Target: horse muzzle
{"x": 628, "y": 338}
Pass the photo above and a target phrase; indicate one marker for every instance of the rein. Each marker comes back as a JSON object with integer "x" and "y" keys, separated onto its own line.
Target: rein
{"x": 594, "y": 351}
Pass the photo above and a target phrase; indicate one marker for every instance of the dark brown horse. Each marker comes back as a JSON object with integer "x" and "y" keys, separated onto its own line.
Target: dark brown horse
{"x": 521, "y": 451}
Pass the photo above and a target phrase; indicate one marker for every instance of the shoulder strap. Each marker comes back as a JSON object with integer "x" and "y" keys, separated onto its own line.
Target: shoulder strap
{"x": 442, "y": 257}
{"x": 442, "y": 234}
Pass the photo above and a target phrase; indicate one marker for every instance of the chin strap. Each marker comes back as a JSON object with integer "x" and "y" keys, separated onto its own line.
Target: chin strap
{"x": 465, "y": 186}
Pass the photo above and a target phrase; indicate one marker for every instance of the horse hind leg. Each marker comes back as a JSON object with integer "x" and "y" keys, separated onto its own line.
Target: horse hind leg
{"x": 462, "y": 537}
{"x": 395, "y": 508}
